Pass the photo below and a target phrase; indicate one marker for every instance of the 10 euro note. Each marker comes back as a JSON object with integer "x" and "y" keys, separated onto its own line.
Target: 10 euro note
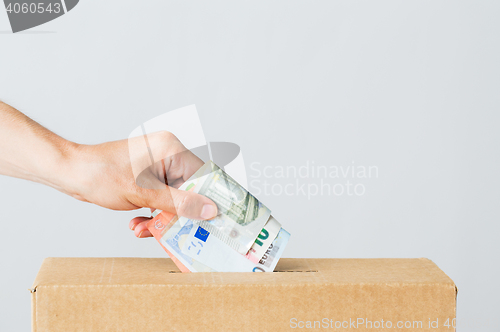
{"x": 202, "y": 246}
{"x": 193, "y": 249}
{"x": 243, "y": 237}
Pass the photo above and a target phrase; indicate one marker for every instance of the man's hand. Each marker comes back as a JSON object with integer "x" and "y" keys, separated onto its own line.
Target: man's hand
{"x": 122, "y": 175}
{"x": 109, "y": 181}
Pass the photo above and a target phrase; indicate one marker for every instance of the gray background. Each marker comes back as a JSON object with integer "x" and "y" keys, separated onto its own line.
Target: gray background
{"x": 411, "y": 87}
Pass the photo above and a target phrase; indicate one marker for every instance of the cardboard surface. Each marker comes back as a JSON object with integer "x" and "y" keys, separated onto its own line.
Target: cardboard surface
{"x": 149, "y": 294}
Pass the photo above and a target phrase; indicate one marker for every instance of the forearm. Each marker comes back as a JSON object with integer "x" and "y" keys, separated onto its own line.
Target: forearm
{"x": 103, "y": 174}
{"x": 30, "y": 151}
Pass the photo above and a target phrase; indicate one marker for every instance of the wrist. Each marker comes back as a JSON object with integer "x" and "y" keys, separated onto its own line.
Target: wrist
{"x": 59, "y": 171}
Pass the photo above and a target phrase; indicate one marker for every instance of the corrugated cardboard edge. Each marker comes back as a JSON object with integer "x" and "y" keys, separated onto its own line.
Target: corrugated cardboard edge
{"x": 451, "y": 280}
{"x": 33, "y": 299}
{"x": 43, "y": 266}
{"x": 33, "y": 309}
{"x": 46, "y": 264}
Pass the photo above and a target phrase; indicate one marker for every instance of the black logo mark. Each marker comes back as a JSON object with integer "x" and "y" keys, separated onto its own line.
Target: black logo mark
{"x": 26, "y": 14}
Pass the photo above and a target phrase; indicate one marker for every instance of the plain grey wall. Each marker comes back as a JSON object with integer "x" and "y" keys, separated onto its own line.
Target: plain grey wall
{"x": 408, "y": 87}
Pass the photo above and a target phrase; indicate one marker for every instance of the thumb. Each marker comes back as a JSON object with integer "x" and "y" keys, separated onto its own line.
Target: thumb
{"x": 183, "y": 203}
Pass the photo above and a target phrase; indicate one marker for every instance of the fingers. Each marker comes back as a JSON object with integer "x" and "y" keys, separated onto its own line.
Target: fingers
{"x": 136, "y": 221}
{"x": 191, "y": 205}
{"x": 139, "y": 226}
{"x": 176, "y": 168}
{"x": 185, "y": 164}
{"x": 157, "y": 185}
{"x": 162, "y": 155}
{"x": 183, "y": 203}
{"x": 142, "y": 231}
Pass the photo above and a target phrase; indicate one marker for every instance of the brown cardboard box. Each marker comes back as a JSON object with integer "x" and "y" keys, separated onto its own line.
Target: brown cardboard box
{"x": 147, "y": 294}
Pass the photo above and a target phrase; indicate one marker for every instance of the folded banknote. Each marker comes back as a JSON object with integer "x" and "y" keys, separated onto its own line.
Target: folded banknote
{"x": 243, "y": 237}
{"x": 241, "y": 215}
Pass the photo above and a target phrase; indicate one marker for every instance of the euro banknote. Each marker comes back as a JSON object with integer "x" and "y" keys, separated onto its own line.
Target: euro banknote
{"x": 162, "y": 221}
{"x": 207, "y": 245}
{"x": 193, "y": 249}
{"x": 241, "y": 216}
{"x": 264, "y": 240}
{"x": 210, "y": 251}
{"x": 272, "y": 255}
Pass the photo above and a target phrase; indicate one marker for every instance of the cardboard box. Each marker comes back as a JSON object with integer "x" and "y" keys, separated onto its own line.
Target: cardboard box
{"x": 148, "y": 294}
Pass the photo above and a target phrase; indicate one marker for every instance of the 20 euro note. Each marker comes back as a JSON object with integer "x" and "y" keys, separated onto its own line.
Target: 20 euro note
{"x": 241, "y": 216}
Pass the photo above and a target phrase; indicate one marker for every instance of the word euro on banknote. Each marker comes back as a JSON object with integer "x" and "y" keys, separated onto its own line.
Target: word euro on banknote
{"x": 241, "y": 216}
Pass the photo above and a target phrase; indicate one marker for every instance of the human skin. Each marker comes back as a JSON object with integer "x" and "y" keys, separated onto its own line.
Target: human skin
{"x": 105, "y": 174}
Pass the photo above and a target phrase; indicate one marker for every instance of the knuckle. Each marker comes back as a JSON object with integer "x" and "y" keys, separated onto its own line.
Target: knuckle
{"x": 165, "y": 135}
{"x": 183, "y": 204}
{"x": 166, "y": 143}
{"x": 142, "y": 197}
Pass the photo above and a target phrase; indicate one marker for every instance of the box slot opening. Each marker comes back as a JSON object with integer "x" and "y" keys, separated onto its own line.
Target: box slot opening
{"x": 301, "y": 271}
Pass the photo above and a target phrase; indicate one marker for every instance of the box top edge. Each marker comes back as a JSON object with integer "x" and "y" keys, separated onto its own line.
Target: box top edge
{"x": 60, "y": 271}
